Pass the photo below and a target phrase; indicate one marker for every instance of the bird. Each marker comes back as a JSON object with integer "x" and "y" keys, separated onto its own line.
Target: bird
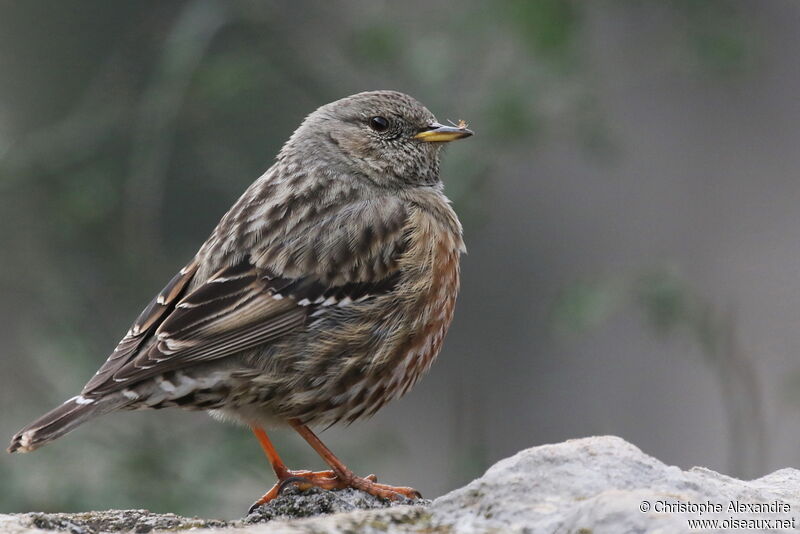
{"x": 322, "y": 294}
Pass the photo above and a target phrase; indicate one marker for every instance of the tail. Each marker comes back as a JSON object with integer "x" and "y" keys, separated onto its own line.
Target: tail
{"x": 61, "y": 420}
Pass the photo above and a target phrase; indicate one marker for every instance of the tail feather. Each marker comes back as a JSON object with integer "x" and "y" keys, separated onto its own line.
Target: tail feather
{"x": 61, "y": 420}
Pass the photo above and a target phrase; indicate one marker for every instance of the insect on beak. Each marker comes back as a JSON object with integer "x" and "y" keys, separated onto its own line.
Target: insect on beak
{"x": 439, "y": 133}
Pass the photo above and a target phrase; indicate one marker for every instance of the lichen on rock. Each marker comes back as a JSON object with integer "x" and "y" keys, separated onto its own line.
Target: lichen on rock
{"x": 136, "y": 521}
{"x": 293, "y": 504}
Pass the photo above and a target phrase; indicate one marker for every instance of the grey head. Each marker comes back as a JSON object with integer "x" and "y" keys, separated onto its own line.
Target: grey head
{"x": 386, "y": 137}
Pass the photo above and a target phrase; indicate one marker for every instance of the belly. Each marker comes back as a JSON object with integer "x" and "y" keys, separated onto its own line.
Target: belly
{"x": 429, "y": 318}
{"x": 407, "y": 335}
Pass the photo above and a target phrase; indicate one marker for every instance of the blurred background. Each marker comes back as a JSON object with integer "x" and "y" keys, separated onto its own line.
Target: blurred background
{"x": 630, "y": 203}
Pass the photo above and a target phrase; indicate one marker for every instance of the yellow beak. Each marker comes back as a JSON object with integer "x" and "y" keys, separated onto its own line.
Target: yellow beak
{"x": 439, "y": 133}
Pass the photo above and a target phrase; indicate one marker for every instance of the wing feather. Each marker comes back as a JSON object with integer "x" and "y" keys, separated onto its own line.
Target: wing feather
{"x": 143, "y": 327}
{"x": 262, "y": 298}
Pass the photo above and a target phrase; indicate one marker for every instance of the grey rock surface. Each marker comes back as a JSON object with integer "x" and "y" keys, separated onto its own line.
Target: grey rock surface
{"x": 137, "y": 521}
{"x": 588, "y": 486}
{"x": 606, "y": 485}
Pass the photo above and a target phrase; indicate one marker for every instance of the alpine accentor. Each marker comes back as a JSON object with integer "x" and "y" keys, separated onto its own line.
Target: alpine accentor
{"x": 323, "y": 293}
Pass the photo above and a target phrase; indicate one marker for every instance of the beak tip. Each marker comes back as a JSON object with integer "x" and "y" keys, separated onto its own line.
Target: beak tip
{"x": 439, "y": 133}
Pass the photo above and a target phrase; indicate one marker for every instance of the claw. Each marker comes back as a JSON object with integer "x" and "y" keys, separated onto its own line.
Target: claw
{"x": 254, "y": 507}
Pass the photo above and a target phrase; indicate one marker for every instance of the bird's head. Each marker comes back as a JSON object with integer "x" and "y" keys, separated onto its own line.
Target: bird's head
{"x": 387, "y": 136}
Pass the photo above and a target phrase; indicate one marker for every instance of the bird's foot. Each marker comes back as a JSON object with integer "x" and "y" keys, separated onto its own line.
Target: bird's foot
{"x": 369, "y": 484}
{"x": 330, "y": 480}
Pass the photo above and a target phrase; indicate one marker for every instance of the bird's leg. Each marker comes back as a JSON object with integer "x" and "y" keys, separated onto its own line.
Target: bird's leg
{"x": 345, "y": 477}
{"x": 286, "y": 476}
{"x": 339, "y": 477}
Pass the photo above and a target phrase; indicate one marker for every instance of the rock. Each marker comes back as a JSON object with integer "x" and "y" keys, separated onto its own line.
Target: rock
{"x": 293, "y": 504}
{"x": 588, "y": 486}
{"x": 136, "y": 521}
{"x": 601, "y": 485}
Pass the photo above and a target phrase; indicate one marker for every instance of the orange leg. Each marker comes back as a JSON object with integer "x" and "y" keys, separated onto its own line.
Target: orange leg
{"x": 339, "y": 477}
{"x": 348, "y": 478}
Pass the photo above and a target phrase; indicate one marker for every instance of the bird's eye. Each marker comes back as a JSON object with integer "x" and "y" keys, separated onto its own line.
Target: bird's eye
{"x": 379, "y": 124}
